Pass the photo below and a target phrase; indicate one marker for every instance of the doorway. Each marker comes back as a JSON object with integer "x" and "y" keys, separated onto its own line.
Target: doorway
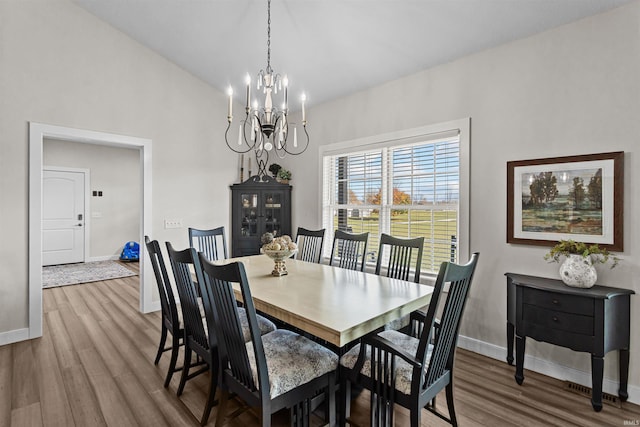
{"x": 37, "y": 133}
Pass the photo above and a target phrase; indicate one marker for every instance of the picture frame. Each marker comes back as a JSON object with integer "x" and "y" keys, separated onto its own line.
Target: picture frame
{"x": 577, "y": 198}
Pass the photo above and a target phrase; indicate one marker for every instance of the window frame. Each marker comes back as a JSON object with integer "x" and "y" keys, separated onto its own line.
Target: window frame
{"x": 387, "y": 141}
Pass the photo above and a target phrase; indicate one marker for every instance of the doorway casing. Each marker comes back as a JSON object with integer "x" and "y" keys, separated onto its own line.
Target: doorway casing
{"x": 37, "y": 133}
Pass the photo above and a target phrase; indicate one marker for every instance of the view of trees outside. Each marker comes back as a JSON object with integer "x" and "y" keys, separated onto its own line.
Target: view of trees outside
{"x": 563, "y": 202}
{"x": 422, "y": 193}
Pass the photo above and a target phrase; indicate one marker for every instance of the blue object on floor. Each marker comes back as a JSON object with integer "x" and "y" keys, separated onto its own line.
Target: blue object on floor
{"x": 130, "y": 252}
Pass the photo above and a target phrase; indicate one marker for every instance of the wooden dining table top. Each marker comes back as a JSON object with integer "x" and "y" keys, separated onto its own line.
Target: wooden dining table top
{"x": 331, "y": 303}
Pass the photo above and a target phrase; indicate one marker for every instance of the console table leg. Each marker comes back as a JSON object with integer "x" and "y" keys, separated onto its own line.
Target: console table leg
{"x": 624, "y": 373}
{"x": 597, "y": 368}
{"x": 520, "y": 341}
{"x": 511, "y": 330}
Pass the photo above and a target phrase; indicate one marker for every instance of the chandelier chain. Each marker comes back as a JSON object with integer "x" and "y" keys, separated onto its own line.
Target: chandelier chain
{"x": 269, "y": 35}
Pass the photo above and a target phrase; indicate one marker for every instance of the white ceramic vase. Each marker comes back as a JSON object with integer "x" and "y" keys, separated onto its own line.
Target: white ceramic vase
{"x": 578, "y": 271}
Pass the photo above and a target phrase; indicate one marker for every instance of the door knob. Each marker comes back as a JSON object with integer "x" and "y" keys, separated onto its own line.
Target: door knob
{"x": 79, "y": 225}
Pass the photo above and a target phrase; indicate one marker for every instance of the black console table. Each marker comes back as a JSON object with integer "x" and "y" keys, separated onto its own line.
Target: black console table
{"x": 594, "y": 320}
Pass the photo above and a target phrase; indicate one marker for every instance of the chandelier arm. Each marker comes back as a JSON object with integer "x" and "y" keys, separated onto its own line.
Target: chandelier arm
{"x": 305, "y": 140}
{"x": 226, "y": 139}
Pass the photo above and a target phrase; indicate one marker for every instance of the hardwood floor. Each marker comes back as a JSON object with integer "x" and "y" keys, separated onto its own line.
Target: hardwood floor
{"x": 94, "y": 367}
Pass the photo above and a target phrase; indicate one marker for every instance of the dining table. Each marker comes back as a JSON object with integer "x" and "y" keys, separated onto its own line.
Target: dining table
{"x": 331, "y": 303}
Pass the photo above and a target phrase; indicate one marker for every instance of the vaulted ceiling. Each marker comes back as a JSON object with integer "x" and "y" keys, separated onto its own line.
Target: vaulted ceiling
{"x": 330, "y": 48}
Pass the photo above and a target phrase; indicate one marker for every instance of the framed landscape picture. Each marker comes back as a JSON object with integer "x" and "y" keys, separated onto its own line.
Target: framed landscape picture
{"x": 561, "y": 198}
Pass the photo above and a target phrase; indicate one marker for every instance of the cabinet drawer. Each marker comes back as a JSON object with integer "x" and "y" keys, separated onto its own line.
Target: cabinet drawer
{"x": 558, "y": 302}
{"x": 552, "y": 319}
{"x": 577, "y": 342}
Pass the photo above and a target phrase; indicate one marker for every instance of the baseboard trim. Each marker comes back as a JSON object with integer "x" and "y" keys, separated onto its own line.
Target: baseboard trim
{"x": 153, "y": 306}
{"x": 16, "y": 335}
{"x": 103, "y": 258}
{"x": 547, "y": 367}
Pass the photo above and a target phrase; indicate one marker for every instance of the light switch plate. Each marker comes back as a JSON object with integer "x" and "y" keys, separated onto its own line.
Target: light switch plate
{"x": 173, "y": 223}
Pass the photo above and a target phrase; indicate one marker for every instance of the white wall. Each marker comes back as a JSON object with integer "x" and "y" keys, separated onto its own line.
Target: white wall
{"x": 571, "y": 90}
{"x": 60, "y": 65}
{"x": 116, "y": 173}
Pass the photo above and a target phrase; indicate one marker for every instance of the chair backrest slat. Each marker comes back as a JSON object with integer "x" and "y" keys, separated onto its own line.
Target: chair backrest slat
{"x": 310, "y": 243}
{"x": 459, "y": 278}
{"x": 349, "y": 250}
{"x": 210, "y": 242}
{"x": 400, "y": 256}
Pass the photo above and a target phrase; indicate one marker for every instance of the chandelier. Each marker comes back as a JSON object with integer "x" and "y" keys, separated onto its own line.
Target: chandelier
{"x": 266, "y": 128}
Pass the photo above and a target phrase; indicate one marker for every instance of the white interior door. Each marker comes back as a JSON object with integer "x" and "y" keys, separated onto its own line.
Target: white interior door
{"x": 63, "y": 214}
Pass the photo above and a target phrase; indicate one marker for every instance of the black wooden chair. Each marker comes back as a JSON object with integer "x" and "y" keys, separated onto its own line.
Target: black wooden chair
{"x": 212, "y": 242}
{"x": 411, "y": 370}
{"x": 349, "y": 250}
{"x": 278, "y": 370}
{"x": 310, "y": 244}
{"x": 199, "y": 333}
{"x": 170, "y": 317}
{"x": 398, "y": 258}
{"x": 198, "y": 337}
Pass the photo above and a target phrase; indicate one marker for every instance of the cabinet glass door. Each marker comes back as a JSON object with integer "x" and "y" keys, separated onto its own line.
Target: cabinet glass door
{"x": 249, "y": 214}
{"x": 273, "y": 212}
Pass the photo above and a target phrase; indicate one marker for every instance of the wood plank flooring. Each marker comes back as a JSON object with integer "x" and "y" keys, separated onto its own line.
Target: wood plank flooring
{"x": 94, "y": 367}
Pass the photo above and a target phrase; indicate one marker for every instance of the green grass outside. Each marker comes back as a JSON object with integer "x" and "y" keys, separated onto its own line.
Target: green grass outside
{"x": 416, "y": 223}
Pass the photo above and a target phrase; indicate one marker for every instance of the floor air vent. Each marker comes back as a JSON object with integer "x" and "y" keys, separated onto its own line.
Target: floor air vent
{"x": 586, "y": 391}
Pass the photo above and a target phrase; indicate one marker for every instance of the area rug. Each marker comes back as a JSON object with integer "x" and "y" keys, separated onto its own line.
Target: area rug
{"x": 73, "y": 274}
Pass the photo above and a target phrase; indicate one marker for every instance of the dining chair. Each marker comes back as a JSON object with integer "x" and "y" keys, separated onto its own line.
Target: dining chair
{"x": 310, "y": 244}
{"x": 212, "y": 242}
{"x": 278, "y": 370}
{"x": 349, "y": 250}
{"x": 398, "y": 258}
{"x": 199, "y": 338}
{"x": 411, "y": 370}
{"x": 199, "y": 333}
{"x": 170, "y": 317}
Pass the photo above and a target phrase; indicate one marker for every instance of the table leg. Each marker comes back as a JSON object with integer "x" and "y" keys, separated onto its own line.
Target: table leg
{"x": 520, "y": 341}
{"x": 623, "y": 354}
{"x": 511, "y": 330}
{"x": 597, "y": 368}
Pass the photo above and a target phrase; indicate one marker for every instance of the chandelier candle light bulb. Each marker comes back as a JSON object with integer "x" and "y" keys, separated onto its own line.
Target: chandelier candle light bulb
{"x": 230, "y": 115}
{"x": 286, "y": 85}
{"x": 247, "y": 80}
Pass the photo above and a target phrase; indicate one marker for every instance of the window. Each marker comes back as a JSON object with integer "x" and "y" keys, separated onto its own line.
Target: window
{"x": 407, "y": 186}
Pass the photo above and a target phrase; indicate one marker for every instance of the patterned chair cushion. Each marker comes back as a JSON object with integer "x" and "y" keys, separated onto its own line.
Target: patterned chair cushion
{"x": 398, "y": 324}
{"x": 404, "y": 371}
{"x": 292, "y": 360}
{"x": 264, "y": 324}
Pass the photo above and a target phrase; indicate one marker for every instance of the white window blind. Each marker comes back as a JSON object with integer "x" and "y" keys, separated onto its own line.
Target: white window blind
{"x": 405, "y": 190}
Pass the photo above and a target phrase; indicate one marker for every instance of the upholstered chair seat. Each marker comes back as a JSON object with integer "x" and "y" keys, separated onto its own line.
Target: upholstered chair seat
{"x": 403, "y": 371}
{"x": 292, "y": 360}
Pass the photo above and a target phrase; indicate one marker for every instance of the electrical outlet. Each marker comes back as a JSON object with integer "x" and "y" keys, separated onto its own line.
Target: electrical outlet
{"x": 173, "y": 223}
